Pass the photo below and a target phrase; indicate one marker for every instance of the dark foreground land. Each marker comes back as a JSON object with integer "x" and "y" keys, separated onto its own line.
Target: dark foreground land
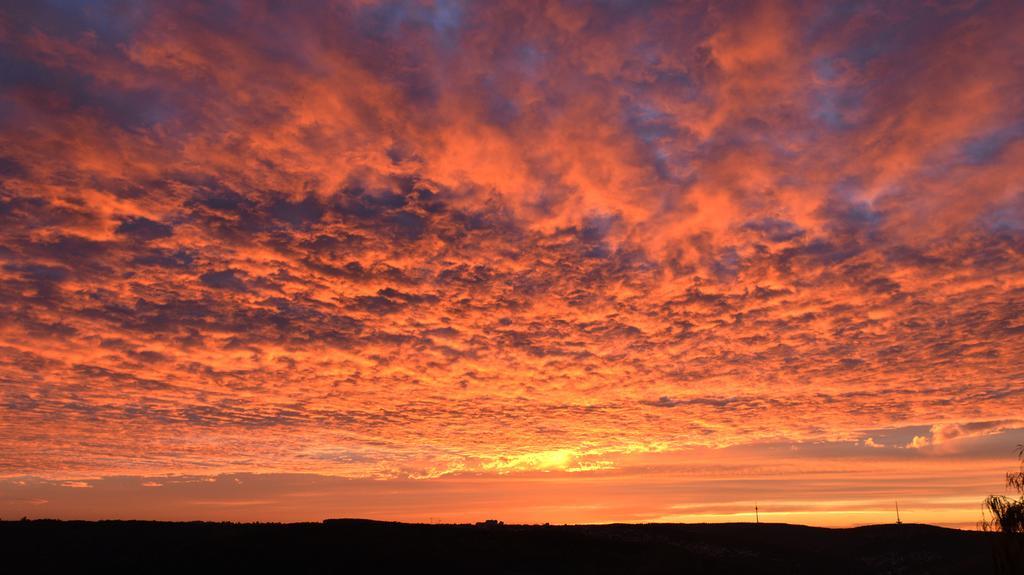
{"x": 360, "y": 546}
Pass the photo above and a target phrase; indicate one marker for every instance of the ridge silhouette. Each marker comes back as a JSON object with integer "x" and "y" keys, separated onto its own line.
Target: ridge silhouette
{"x": 349, "y": 545}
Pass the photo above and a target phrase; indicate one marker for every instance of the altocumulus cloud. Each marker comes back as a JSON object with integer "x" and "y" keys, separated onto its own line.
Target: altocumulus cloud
{"x": 461, "y": 237}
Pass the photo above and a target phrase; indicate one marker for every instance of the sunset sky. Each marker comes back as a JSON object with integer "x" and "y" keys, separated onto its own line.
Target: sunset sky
{"x": 532, "y": 261}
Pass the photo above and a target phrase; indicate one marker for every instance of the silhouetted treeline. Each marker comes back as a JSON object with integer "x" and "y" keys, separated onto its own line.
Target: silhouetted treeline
{"x": 361, "y": 546}
{"x": 1006, "y": 517}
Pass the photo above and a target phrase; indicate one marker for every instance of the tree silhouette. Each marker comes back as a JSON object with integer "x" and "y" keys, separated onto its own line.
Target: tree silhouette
{"x": 1005, "y": 515}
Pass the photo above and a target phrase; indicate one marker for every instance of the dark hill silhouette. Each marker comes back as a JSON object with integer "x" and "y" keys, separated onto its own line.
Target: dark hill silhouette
{"x": 364, "y": 546}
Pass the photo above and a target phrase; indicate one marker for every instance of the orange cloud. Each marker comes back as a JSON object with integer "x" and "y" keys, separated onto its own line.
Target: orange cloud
{"x": 387, "y": 240}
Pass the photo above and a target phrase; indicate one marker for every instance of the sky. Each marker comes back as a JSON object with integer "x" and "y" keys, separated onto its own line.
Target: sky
{"x": 533, "y": 261}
